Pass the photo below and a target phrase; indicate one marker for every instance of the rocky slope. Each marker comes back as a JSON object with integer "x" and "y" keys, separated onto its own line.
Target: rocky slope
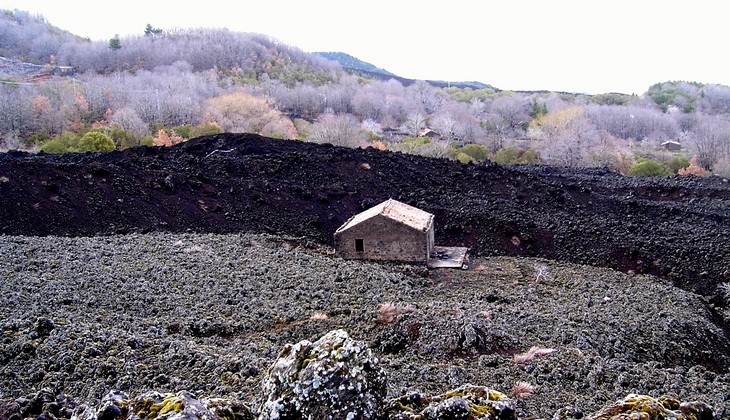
{"x": 674, "y": 227}
{"x": 208, "y": 313}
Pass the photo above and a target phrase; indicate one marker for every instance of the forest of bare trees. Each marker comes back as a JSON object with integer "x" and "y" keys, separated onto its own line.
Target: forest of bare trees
{"x": 163, "y": 87}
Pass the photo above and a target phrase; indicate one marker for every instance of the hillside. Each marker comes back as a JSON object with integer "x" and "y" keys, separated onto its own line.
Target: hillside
{"x": 357, "y": 66}
{"x": 349, "y": 62}
{"x": 674, "y": 227}
{"x": 31, "y": 38}
{"x": 181, "y": 84}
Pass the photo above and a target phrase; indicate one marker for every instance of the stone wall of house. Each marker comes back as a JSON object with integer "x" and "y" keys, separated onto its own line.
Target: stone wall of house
{"x": 385, "y": 239}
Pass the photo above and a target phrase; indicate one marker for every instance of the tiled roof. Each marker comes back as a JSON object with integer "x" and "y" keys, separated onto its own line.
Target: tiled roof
{"x": 394, "y": 210}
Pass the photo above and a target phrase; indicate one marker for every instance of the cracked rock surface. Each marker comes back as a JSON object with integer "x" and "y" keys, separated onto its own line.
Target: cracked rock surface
{"x": 210, "y": 313}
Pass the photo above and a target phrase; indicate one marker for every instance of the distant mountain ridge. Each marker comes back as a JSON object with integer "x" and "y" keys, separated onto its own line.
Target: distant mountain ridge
{"x": 355, "y": 65}
{"x": 30, "y": 38}
{"x": 349, "y": 62}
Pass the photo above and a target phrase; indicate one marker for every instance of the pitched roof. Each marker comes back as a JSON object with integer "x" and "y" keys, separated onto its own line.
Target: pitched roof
{"x": 395, "y": 210}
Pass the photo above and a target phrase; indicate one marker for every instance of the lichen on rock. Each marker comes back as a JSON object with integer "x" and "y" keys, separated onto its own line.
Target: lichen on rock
{"x": 155, "y": 406}
{"x": 333, "y": 378}
{"x": 644, "y": 407}
{"x": 467, "y": 402}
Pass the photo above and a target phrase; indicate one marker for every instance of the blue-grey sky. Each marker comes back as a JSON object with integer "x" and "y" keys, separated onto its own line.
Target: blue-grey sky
{"x": 591, "y": 46}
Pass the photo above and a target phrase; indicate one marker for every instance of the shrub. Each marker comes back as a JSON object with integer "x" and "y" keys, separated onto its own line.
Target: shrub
{"x": 164, "y": 138}
{"x": 36, "y": 138}
{"x": 66, "y": 142}
{"x": 184, "y": 131}
{"x": 529, "y": 156}
{"x": 677, "y": 163}
{"x": 412, "y": 143}
{"x": 507, "y": 155}
{"x": 512, "y": 155}
{"x": 694, "y": 168}
{"x": 476, "y": 151}
{"x": 649, "y": 167}
{"x": 204, "y": 129}
{"x": 463, "y": 157}
{"x": 122, "y": 138}
{"x": 95, "y": 141}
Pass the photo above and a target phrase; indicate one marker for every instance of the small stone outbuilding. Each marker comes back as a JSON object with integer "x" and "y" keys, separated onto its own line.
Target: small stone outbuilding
{"x": 672, "y": 146}
{"x": 390, "y": 231}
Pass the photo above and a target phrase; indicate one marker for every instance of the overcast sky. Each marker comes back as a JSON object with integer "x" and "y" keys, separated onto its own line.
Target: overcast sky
{"x": 590, "y": 46}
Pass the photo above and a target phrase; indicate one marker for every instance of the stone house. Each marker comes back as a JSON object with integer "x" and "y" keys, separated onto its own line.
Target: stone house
{"x": 390, "y": 231}
{"x": 672, "y": 146}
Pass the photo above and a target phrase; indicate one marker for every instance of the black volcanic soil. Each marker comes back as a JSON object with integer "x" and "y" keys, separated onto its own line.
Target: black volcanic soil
{"x": 673, "y": 227}
{"x": 137, "y": 299}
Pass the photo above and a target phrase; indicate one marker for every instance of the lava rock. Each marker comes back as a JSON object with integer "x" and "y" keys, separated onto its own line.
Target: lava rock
{"x": 151, "y": 405}
{"x": 333, "y": 378}
{"x": 466, "y": 402}
{"x": 635, "y": 406}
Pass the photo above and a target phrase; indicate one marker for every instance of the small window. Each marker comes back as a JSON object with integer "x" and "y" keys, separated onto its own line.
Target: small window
{"x": 359, "y": 245}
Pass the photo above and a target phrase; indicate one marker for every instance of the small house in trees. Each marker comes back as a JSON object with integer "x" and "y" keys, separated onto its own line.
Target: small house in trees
{"x": 672, "y": 146}
{"x": 429, "y": 133}
{"x": 390, "y": 231}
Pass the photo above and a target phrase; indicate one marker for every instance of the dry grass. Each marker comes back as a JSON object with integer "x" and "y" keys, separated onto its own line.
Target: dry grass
{"x": 387, "y": 312}
{"x": 319, "y": 316}
{"x": 522, "y": 390}
{"x": 531, "y": 354}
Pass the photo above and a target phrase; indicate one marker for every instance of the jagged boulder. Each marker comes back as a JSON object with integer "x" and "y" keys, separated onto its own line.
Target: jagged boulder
{"x": 467, "y": 402}
{"x": 641, "y": 407}
{"x": 153, "y": 405}
{"x": 44, "y": 404}
{"x": 333, "y": 378}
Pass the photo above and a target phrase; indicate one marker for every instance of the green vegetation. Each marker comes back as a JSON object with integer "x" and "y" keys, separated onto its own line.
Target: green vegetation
{"x": 349, "y": 62}
{"x": 412, "y": 143}
{"x": 677, "y": 163}
{"x": 188, "y": 131}
{"x": 115, "y": 43}
{"x": 65, "y": 142}
{"x": 611, "y": 99}
{"x": 537, "y": 110}
{"x": 123, "y": 139}
{"x": 95, "y": 141}
{"x": 476, "y": 152}
{"x": 150, "y": 31}
{"x": 512, "y": 155}
{"x": 468, "y": 95}
{"x": 680, "y": 94}
{"x": 91, "y": 141}
{"x": 649, "y": 167}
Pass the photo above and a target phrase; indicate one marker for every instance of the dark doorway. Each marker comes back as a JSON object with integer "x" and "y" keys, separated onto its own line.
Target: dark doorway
{"x": 359, "y": 245}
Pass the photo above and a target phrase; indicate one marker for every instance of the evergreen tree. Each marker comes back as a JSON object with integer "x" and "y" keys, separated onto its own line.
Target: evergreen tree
{"x": 115, "y": 43}
{"x": 149, "y": 30}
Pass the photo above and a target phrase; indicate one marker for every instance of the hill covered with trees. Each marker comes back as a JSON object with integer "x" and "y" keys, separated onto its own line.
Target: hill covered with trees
{"x": 166, "y": 86}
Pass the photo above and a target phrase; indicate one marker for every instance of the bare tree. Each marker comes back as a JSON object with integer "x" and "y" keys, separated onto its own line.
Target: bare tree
{"x": 415, "y": 123}
{"x": 710, "y": 140}
{"x": 514, "y": 110}
{"x": 423, "y": 96}
{"x": 339, "y": 130}
{"x": 128, "y": 120}
{"x": 242, "y": 113}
